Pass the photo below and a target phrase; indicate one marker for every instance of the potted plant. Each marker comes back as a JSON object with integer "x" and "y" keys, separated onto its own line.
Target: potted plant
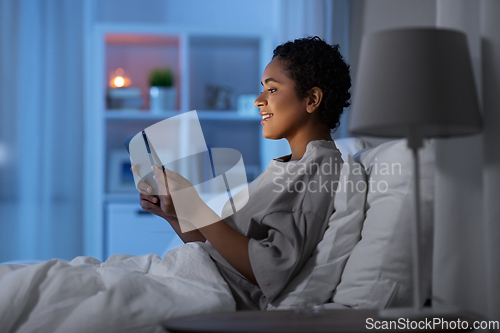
{"x": 162, "y": 94}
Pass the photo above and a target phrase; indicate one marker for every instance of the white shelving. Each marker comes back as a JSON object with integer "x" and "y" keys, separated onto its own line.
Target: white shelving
{"x": 202, "y": 115}
{"x": 199, "y": 59}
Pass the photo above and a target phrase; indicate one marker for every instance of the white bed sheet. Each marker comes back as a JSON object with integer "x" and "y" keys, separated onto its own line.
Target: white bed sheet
{"x": 123, "y": 294}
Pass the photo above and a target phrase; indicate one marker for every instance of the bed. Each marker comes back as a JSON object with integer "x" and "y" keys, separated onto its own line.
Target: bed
{"x": 362, "y": 262}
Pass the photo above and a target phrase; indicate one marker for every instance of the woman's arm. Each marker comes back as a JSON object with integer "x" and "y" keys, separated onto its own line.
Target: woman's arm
{"x": 231, "y": 245}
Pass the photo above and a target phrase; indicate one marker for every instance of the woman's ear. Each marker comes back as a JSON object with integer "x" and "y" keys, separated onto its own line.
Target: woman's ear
{"x": 315, "y": 96}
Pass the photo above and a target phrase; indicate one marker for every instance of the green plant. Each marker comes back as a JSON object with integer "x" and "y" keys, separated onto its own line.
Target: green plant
{"x": 161, "y": 77}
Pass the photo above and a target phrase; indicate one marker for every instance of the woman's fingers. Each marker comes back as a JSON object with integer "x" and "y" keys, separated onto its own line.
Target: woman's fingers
{"x": 161, "y": 206}
{"x": 165, "y": 199}
{"x": 176, "y": 181}
{"x": 150, "y": 207}
{"x": 159, "y": 177}
{"x": 150, "y": 198}
{"x": 134, "y": 170}
{"x": 167, "y": 205}
{"x": 144, "y": 187}
{"x": 141, "y": 185}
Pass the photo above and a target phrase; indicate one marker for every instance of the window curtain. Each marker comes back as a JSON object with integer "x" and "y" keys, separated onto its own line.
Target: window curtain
{"x": 467, "y": 224}
{"x": 41, "y": 131}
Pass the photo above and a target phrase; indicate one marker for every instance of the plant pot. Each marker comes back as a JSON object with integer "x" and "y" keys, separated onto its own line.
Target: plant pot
{"x": 162, "y": 99}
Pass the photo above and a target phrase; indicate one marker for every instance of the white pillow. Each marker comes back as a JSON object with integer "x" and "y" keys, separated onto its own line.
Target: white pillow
{"x": 350, "y": 146}
{"x": 378, "y": 272}
{"x": 321, "y": 273}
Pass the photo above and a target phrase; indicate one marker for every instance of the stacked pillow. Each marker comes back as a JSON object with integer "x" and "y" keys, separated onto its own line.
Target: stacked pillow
{"x": 378, "y": 272}
{"x": 350, "y": 146}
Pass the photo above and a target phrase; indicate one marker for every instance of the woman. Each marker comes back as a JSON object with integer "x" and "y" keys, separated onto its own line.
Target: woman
{"x": 264, "y": 245}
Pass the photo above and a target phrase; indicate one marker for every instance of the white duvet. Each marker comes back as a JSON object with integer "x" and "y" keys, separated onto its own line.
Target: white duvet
{"x": 123, "y": 294}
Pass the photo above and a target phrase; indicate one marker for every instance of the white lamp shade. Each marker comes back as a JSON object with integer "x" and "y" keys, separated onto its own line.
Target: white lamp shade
{"x": 416, "y": 79}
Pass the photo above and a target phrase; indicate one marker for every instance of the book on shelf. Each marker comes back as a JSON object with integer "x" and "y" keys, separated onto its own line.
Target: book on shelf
{"x": 124, "y": 98}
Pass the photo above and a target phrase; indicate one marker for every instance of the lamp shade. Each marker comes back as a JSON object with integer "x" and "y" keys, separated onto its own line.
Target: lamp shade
{"x": 417, "y": 79}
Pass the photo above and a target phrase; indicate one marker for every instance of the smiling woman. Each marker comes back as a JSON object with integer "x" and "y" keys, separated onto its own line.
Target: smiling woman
{"x": 264, "y": 245}
{"x": 306, "y": 86}
{"x": 242, "y": 260}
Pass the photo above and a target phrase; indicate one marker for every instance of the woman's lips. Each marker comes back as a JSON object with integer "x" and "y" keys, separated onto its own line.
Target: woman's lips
{"x": 266, "y": 117}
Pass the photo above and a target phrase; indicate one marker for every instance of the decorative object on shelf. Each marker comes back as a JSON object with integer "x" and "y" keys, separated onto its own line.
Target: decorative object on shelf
{"x": 118, "y": 79}
{"x": 124, "y": 98}
{"x": 120, "y": 95}
{"x": 415, "y": 83}
{"x": 162, "y": 94}
{"x": 245, "y": 105}
{"x": 120, "y": 178}
{"x": 218, "y": 97}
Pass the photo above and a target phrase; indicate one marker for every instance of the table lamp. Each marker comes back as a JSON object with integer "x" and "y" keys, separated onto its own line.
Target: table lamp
{"x": 415, "y": 83}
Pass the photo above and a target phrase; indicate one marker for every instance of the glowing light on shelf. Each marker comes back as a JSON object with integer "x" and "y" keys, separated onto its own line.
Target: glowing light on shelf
{"x": 118, "y": 79}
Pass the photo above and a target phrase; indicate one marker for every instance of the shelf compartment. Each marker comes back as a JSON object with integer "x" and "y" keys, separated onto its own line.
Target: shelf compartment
{"x": 138, "y": 55}
{"x": 203, "y": 114}
{"x": 218, "y": 63}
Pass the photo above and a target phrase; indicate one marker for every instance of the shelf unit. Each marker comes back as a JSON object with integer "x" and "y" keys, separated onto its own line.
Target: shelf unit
{"x": 199, "y": 59}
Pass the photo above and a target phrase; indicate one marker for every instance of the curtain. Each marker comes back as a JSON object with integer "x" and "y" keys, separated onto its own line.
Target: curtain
{"x": 41, "y": 131}
{"x": 466, "y": 265}
{"x": 490, "y": 48}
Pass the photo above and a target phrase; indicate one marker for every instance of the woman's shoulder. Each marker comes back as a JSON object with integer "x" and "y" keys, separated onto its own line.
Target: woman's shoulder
{"x": 322, "y": 151}
{"x": 318, "y": 153}
{"x": 321, "y": 145}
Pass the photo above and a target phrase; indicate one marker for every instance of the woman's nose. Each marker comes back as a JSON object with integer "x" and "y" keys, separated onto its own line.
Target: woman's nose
{"x": 260, "y": 101}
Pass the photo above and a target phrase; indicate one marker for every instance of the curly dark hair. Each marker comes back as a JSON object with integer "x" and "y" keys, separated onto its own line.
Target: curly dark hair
{"x": 311, "y": 62}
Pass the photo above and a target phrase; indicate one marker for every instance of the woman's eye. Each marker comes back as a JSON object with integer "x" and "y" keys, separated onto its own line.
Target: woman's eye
{"x": 272, "y": 90}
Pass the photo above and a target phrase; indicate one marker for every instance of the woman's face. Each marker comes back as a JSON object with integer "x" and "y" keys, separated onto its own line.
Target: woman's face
{"x": 283, "y": 113}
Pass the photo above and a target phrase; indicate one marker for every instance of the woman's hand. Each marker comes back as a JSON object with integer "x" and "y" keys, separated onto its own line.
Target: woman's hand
{"x": 150, "y": 203}
{"x": 164, "y": 198}
{"x": 177, "y": 191}
{"x": 160, "y": 204}
{"x": 163, "y": 206}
